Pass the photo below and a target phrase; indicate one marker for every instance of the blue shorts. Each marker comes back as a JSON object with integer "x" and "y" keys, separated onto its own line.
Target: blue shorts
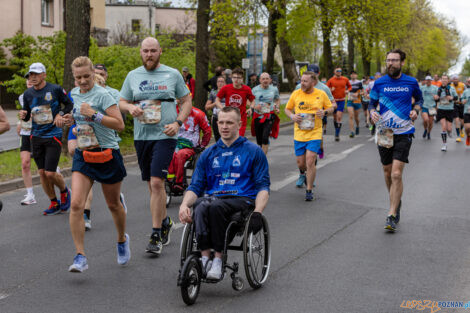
{"x": 110, "y": 172}
{"x": 154, "y": 157}
{"x": 302, "y": 146}
{"x": 356, "y": 106}
{"x": 340, "y": 106}
{"x": 71, "y": 135}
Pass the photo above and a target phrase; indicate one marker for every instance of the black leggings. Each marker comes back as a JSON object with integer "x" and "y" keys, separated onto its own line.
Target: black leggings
{"x": 215, "y": 127}
{"x": 263, "y": 130}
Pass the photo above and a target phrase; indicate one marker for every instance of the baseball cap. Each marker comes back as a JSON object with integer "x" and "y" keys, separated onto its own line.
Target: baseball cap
{"x": 428, "y": 78}
{"x": 185, "y": 69}
{"x": 36, "y": 68}
{"x": 228, "y": 71}
{"x": 454, "y": 77}
{"x": 100, "y": 66}
{"x": 313, "y": 68}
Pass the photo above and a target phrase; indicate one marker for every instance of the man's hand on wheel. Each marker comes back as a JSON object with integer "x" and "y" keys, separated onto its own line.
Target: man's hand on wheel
{"x": 256, "y": 222}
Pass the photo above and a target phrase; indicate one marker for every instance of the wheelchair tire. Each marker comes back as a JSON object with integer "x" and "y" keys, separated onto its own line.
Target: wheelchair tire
{"x": 257, "y": 254}
{"x": 191, "y": 280}
{"x": 185, "y": 244}
{"x": 168, "y": 193}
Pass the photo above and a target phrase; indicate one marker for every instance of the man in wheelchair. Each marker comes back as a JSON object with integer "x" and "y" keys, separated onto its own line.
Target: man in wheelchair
{"x": 188, "y": 142}
{"x": 230, "y": 176}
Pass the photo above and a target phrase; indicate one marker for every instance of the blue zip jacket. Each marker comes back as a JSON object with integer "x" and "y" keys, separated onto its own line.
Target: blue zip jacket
{"x": 239, "y": 170}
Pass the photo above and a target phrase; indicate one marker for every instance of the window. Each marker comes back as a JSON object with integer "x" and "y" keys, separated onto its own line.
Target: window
{"x": 157, "y": 28}
{"x": 47, "y": 12}
{"x": 136, "y": 26}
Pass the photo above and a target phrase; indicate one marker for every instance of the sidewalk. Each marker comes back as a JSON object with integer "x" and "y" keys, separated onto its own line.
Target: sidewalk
{"x": 12, "y": 116}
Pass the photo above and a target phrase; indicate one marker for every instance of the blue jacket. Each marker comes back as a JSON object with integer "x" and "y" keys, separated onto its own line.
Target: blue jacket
{"x": 239, "y": 170}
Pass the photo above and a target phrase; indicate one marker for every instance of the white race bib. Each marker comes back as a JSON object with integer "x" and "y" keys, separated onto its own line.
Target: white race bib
{"x": 308, "y": 121}
{"x": 152, "y": 111}
{"x": 265, "y": 107}
{"x": 42, "y": 114}
{"x": 86, "y": 138}
{"x": 385, "y": 137}
{"x": 432, "y": 111}
{"x": 26, "y": 126}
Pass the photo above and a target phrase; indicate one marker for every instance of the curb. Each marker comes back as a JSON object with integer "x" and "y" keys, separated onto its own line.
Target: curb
{"x": 17, "y": 183}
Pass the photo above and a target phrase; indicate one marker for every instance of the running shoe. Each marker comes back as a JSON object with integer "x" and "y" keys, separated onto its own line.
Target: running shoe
{"x": 308, "y": 195}
{"x": 301, "y": 181}
{"x": 123, "y": 252}
{"x": 321, "y": 153}
{"x": 155, "y": 244}
{"x": 351, "y": 135}
{"x": 166, "y": 232}
{"x": 367, "y": 125}
{"x": 357, "y": 130}
{"x": 65, "y": 201}
{"x": 425, "y": 133}
{"x": 429, "y": 136}
{"x": 372, "y": 130}
{"x": 216, "y": 269}
{"x": 336, "y": 138}
{"x": 79, "y": 265}
{"x": 458, "y": 139}
{"x": 397, "y": 217}
{"x": 87, "y": 222}
{"x": 28, "y": 199}
{"x": 444, "y": 147}
{"x": 462, "y": 133}
{"x": 390, "y": 224}
{"x": 123, "y": 201}
{"x": 467, "y": 142}
{"x": 53, "y": 209}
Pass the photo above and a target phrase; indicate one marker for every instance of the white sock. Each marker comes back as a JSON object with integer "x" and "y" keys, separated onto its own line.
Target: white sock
{"x": 204, "y": 260}
{"x": 30, "y": 191}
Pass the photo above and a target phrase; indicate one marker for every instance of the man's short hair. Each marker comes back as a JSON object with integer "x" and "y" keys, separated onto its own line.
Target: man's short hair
{"x": 101, "y": 67}
{"x": 311, "y": 74}
{"x": 238, "y": 71}
{"x": 232, "y": 109}
{"x": 401, "y": 53}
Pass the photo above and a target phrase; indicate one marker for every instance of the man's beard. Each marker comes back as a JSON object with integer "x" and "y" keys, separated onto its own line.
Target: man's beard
{"x": 393, "y": 72}
{"x": 153, "y": 65}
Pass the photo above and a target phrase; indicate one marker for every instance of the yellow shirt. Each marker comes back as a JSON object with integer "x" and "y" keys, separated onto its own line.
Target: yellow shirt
{"x": 302, "y": 102}
{"x": 459, "y": 88}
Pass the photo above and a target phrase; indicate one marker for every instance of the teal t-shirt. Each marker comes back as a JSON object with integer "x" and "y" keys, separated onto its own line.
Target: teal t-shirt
{"x": 323, "y": 87}
{"x": 428, "y": 96}
{"x": 162, "y": 83}
{"x": 114, "y": 93}
{"x": 445, "y": 104}
{"x": 466, "y": 96}
{"x": 268, "y": 95}
{"x": 99, "y": 99}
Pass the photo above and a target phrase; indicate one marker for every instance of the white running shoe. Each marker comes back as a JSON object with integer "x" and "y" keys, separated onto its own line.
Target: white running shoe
{"x": 444, "y": 147}
{"x": 216, "y": 269}
{"x": 28, "y": 199}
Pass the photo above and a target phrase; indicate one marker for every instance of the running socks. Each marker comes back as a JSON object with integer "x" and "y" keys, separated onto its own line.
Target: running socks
{"x": 166, "y": 222}
{"x": 302, "y": 171}
{"x": 338, "y": 129}
{"x": 457, "y": 130}
{"x": 87, "y": 213}
{"x": 444, "y": 137}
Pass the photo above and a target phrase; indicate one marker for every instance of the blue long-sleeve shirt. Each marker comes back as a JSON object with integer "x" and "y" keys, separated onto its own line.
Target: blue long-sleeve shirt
{"x": 394, "y": 97}
{"x": 239, "y": 170}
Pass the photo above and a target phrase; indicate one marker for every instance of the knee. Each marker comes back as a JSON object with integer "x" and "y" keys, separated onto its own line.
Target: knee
{"x": 25, "y": 165}
{"x": 311, "y": 161}
{"x": 157, "y": 184}
{"x": 396, "y": 176}
{"x": 114, "y": 206}
{"x": 50, "y": 175}
{"x": 77, "y": 205}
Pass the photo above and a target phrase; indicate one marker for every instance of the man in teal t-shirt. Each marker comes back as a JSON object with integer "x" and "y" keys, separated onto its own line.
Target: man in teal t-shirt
{"x": 429, "y": 106}
{"x": 466, "y": 113}
{"x": 148, "y": 94}
{"x": 446, "y": 95}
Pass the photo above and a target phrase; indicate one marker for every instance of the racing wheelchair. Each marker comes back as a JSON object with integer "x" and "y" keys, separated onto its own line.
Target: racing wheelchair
{"x": 170, "y": 184}
{"x": 256, "y": 248}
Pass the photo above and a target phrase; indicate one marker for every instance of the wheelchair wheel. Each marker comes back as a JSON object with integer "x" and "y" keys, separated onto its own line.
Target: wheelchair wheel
{"x": 191, "y": 280}
{"x": 168, "y": 193}
{"x": 257, "y": 254}
{"x": 186, "y": 243}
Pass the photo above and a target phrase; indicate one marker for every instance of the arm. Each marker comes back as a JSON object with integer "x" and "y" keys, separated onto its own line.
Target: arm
{"x": 277, "y": 105}
{"x": 185, "y": 110}
{"x": 206, "y": 130}
{"x": 218, "y": 104}
{"x": 4, "y": 124}
{"x": 185, "y": 212}
{"x": 64, "y": 118}
{"x": 112, "y": 119}
{"x": 289, "y": 107}
{"x": 261, "y": 201}
{"x": 126, "y": 106}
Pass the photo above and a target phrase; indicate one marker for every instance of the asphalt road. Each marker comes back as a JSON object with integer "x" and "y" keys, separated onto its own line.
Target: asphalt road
{"x": 329, "y": 255}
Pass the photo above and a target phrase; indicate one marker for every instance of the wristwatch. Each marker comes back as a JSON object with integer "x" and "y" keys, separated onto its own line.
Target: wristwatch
{"x": 179, "y": 122}
{"x": 94, "y": 115}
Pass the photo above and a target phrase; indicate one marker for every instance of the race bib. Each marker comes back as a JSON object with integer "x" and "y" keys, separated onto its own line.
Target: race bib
{"x": 86, "y": 138}
{"x": 444, "y": 100}
{"x": 265, "y": 107}
{"x": 385, "y": 137}
{"x": 26, "y": 126}
{"x": 353, "y": 96}
{"x": 42, "y": 114}
{"x": 152, "y": 111}
{"x": 308, "y": 121}
{"x": 432, "y": 111}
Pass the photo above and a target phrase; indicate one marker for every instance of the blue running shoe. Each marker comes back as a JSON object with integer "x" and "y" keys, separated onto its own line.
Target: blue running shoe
{"x": 301, "y": 181}
{"x": 53, "y": 209}
{"x": 308, "y": 195}
{"x": 79, "y": 264}
{"x": 123, "y": 252}
{"x": 123, "y": 201}
{"x": 65, "y": 201}
{"x": 390, "y": 224}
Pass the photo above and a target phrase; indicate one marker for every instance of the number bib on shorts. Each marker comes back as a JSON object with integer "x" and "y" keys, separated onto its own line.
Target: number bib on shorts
{"x": 42, "y": 114}
{"x": 308, "y": 121}
{"x": 86, "y": 138}
{"x": 385, "y": 137}
{"x": 152, "y": 111}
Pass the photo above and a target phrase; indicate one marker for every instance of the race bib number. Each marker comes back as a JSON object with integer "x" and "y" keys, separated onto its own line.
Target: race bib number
{"x": 265, "y": 107}
{"x": 42, "y": 114}
{"x": 432, "y": 111}
{"x": 152, "y": 111}
{"x": 86, "y": 138}
{"x": 385, "y": 137}
{"x": 26, "y": 126}
{"x": 308, "y": 121}
{"x": 444, "y": 100}
{"x": 353, "y": 96}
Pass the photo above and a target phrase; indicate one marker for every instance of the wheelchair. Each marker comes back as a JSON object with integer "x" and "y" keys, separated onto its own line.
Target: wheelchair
{"x": 256, "y": 250}
{"x": 189, "y": 165}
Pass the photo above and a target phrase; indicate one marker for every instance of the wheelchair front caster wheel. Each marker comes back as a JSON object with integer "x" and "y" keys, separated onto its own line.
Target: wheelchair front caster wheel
{"x": 237, "y": 283}
{"x": 190, "y": 280}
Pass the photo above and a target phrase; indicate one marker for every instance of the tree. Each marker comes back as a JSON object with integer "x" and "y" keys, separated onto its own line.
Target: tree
{"x": 202, "y": 52}
{"x": 466, "y": 68}
{"x": 77, "y": 27}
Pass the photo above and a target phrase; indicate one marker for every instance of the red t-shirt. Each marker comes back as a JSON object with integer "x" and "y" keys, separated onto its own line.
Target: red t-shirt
{"x": 236, "y": 98}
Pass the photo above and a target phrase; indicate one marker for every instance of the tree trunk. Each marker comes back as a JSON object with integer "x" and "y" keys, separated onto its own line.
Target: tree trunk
{"x": 365, "y": 55}
{"x": 77, "y": 27}
{"x": 274, "y": 16}
{"x": 350, "y": 52}
{"x": 288, "y": 62}
{"x": 202, "y": 52}
{"x": 378, "y": 57}
{"x": 326, "y": 32}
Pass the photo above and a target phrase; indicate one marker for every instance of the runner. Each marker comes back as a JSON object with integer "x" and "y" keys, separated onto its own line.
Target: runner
{"x": 309, "y": 105}
{"x": 42, "y": 104}
{"x": 24, "y": 131}
{"x": 267, "y": 102}
{"x": 466, "y": 116}
{"x": 365, "y": 99}
{"x": 189, "y": 80}
{"x": 97, "y": 159}
{"x": 237, "y": 95}
{"x": 394, "y": 93}
{"x": 4, "y": 127}
{"x": 446, "y": 95}
{"x": 339, "y": 86}
{"x": 458, "y": 107}
{"x": 354, "y": 103}
{"x": 429, "y": 106}
{"x": 149, "y": 94}
{"x": 210, "y": 105}
{"x": 436, "y": 81}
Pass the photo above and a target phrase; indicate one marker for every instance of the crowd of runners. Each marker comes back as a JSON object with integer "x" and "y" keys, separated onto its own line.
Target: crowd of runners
{"x": 167, "y": 132}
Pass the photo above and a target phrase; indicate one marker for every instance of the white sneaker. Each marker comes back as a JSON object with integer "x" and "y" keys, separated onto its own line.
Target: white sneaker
{"x": 444, "y": 147}
{"x": 216, "y": 269}
{"x": 28, "y": 199}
